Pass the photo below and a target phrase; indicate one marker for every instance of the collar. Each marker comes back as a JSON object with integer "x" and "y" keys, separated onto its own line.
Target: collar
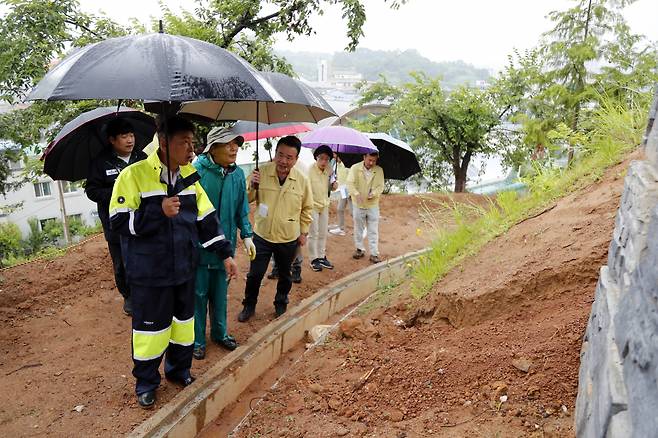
{"x": 154, "y": 161}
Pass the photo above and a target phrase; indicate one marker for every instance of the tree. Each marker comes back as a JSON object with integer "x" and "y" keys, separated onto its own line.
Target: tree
{"x": 445, "y": 129}
{"x": 591, "y": 33}
{"x": 10, "y": 240}
{"x": 35, "y": 33}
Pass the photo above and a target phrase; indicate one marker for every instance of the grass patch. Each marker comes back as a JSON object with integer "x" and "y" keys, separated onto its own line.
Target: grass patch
{"x": 615, "y": 131}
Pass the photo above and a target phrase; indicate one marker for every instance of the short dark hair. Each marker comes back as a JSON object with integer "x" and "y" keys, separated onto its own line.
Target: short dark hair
{"x": 292, "y": 141}
{"x": 119, "y": 126}
{"x": 373, "y": 154}
{"x": 323, "y": 149}
{"x": 171, "y": 126}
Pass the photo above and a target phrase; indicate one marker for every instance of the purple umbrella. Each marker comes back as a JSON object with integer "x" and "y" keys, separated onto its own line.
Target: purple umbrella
{"x": 339, "y": 139}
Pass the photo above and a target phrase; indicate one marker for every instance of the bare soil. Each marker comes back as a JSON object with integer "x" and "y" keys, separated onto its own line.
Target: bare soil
{"x": 66, "y": 342}
{"x": 492, "y": 351}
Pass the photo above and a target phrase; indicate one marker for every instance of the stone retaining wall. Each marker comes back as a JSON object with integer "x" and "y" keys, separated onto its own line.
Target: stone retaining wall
{"x": 618, "y": 381}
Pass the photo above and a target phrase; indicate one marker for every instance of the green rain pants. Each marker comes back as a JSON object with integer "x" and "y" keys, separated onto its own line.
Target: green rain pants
{"x": 211, "y": 287}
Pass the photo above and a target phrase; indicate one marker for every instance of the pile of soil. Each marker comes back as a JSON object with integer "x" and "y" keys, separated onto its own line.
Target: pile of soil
{"x": 493, "y": 350}
{"x": 66, "y": 361}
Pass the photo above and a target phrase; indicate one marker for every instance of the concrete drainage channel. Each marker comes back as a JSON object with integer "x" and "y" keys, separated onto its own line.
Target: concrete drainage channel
{"x": 189, "y": 411}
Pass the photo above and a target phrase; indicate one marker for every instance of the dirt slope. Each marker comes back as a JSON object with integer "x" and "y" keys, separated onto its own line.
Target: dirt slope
{"x": 506, "y": 323}
{"x": 66, "y": 342}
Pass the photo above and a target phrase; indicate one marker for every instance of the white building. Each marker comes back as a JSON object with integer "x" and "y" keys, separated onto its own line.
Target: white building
{"x": 41, "y": 201}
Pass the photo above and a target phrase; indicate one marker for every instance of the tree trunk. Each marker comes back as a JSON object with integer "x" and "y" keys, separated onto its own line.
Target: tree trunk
{"x": 460, "y": 182}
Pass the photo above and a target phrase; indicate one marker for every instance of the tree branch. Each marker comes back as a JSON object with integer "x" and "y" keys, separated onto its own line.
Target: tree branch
{"x": 73, "y": 22}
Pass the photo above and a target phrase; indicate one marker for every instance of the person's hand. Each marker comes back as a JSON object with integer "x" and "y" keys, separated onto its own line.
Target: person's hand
{"x": 302, "y": 239}
{"x": 360, "y": 200}
{"x": 255, "y": 178}
{"x": 370, "y": 196}
{"x": 231, "y": 268}
{"x": 171, "y": 206}
{"x": 250, "y": 247}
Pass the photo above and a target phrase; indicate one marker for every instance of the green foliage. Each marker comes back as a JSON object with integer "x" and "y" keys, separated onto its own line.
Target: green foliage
{"x": 618, "y": 131}
{"x": 53, "y": 230}
{"x": 10, "y": 241}
{"x": 445, "y": 129}
{"x": 35, "y": 239}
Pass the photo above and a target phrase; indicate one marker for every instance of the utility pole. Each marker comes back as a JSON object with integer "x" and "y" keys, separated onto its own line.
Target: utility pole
{"x": 62, "y": 209}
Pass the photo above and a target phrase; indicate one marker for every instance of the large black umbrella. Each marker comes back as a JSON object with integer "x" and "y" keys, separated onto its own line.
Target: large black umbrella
{"x": 396, "y": 157}
{"x": 156, "y": 66}
{"x": 160, "y": 67}
{"x": 68, "y": 156}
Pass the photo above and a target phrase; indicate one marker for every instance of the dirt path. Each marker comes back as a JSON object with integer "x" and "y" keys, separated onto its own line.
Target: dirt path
{"x": 506, "y": 323}
{"x": 66, "y": 343}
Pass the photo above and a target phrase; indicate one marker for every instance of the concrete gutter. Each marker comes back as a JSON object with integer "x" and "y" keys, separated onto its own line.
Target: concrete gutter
{"x": 194, "y": 407}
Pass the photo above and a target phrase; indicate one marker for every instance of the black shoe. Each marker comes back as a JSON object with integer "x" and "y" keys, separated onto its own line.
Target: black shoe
{"x": 316, "y": 265}
{"x": 199, "y": 353}
{"x": 228, "y": 342}
{"x": 280, "y": 309}
{"x": 146, "y": 399}
{"x": 128, "y": 306}
{"x": 187, "y": 381}
{"x": 326, "y": 264}
{"x": 246, "y": 314}
{"x": 273, "y": 275}
{"x": 296, "y": 276}
{"x": 358, "y": 253}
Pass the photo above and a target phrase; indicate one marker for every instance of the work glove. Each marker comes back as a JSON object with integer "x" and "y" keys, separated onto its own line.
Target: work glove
{"x": 249, "y": 247}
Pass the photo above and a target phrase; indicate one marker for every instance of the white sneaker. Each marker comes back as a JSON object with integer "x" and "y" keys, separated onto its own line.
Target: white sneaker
{"x": 337, "y": 232}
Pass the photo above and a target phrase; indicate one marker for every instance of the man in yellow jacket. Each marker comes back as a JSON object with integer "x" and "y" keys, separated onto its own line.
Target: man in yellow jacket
{"x": 318, "y": 176}
{"x": 282, "y": 220}
{"x": 365, "y": 183}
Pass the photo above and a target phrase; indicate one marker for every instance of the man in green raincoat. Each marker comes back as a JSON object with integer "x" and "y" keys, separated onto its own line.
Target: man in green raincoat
{"x": 224, "y": 182}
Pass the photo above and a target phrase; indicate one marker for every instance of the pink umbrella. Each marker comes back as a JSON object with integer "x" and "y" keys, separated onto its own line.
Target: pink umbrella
{"x": 249, "y": 130}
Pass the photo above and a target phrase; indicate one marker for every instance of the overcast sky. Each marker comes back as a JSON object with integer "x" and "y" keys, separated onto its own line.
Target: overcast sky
{"x": 481, "y": 32}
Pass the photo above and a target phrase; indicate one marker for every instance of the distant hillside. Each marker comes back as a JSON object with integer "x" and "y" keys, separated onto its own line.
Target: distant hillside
{"x": 395, "y": 65}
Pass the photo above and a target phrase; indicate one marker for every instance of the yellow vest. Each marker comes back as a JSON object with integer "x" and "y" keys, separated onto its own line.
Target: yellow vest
{"x": 319, "y": 180}
{"x": 361, "y": 186}
{"x": 284, "y": 211}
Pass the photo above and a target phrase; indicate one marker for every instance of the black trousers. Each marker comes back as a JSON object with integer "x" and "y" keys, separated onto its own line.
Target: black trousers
{"x": 283, "y": 254}
{"x": 119, "y": 269}
{"x": 163, "y": 321}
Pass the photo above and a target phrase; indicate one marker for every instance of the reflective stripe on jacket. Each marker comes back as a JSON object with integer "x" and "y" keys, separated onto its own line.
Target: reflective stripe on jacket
{"x": 228, "y": 194}
{"x": 157, "y": 250}
{"x": 288, "y": 206}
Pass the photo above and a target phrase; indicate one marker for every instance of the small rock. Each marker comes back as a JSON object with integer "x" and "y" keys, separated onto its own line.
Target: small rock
{"x": 335, "y": 404}
{"x": 533, "y": 392}
{"x": 522, "y": 364}
{"x": 341, "y": 431}
{"x": 318, "y": 332}
{"x": 316, "y": 388}
{"x": 79, "y": 408}
{"x": 349, "y": 328}
{"x": 58, "y": 373}
{"x": 395, "y": 415}
{"x": 500, "y": 388}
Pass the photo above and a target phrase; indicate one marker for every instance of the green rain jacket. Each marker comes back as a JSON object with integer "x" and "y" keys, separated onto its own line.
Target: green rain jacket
{"x": 228, "y": 193}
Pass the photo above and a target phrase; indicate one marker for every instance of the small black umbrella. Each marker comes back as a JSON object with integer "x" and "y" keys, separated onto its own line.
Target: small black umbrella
{"x": 396, "y": 157}
{"x": 68, "y": 156}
